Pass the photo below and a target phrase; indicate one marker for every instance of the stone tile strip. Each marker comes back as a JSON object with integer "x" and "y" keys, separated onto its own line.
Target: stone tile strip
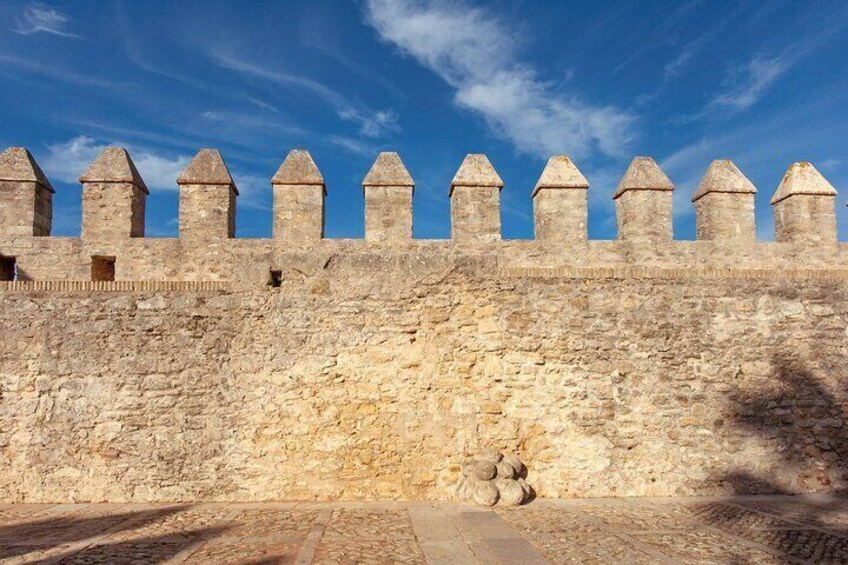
{"x": 112, "y": 286}
{"x": 660, "y": 273}
{"x": 439, "y": 537}
{"x": 495, "y": 541}
{"x": 313, "y": 538}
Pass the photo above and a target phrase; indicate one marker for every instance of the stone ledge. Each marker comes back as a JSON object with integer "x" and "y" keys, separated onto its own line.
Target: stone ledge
{"x": 659, "y": 273}
{"x": 113, "y": 286}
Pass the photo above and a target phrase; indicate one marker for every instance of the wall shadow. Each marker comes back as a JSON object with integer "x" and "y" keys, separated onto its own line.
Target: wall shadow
{"x": 25, "y": 537}
{"x": 805, "y": 418}
{"x": 805, "y": 421}
{"x": 139, "y": 551}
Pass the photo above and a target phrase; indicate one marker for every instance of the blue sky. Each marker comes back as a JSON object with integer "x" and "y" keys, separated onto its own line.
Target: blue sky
{"x": 762, "y": 83}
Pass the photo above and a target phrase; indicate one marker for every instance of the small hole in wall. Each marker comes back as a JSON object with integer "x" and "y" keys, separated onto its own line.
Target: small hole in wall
{"x": 102, "y": 268}
{"x": 8, "y": 269}
{"x": 276, "y": 279}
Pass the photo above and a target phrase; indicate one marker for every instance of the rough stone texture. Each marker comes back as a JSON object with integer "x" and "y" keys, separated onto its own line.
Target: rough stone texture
{"x": 113, "y": 165}
{"x": 367, "y": 385}
{"x": 388, "y": 189}
{"x": 476, "y": 170}
{"x": 113, "y": 197}
{"x": 298, "y": 168}
{"x": 802, "y": 178}
{"x": 475, "y": 213}
{"x": 561, "y": 216}
{"x": 388, "y": 213}
{"x": 724, "y": 205}
{"x": 643, "y": 174}
{"x": 560, "y": 172}
{"x": 26, "y": 196}
{"x": 804, "y": 206}
{"x": 475, "y": 201}
{"x": 725, "y": 217}
{"x": 388, "y": 170}
{"x": 806, "y": 219}
{"x": 26, "y": 209}
{"x": 644, "y": 216}
{"x": 207, "y": 198}
{"x": 559, "y": 202}
{"x": 643, "y": 203}
{"x": 299, "y": 213}
{"x": 112, "y": 210}
{"x": 299, "y": 193}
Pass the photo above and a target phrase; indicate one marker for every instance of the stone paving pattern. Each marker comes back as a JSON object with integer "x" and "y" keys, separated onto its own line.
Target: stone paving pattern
{"x": 737, "y": 530}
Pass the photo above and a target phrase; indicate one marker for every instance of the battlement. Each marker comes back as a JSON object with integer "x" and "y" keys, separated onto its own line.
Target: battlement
{"x": 113, "y": 246}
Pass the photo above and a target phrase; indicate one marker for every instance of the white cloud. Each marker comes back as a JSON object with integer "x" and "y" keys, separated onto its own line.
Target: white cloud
{"x": 67, "y": 161}
{"x": 37, "y": 18}
{"x": 473, "y": 52}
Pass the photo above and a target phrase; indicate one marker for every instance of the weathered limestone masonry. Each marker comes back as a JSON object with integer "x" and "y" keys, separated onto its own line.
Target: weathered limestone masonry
{"x": 298, "y": 367}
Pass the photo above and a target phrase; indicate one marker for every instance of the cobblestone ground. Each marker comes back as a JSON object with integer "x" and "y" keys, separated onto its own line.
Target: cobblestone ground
{"x": 677, "y": 530}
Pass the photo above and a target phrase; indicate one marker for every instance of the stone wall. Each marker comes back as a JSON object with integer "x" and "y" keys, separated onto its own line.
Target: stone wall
{"x": 371, "y": 368}
{"x": 339, "y": 384}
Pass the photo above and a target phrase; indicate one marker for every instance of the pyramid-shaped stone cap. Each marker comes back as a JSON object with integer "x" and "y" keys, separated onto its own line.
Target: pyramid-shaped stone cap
{"x": 299, "y": 168}
{"x": 643, "y": 174}
{"x": 114, "y": 165}
{"x": 476, "y": 170}
{"x": 388, "y": 170}
{"x": 207, "y": 167}
{"x": 723, "y": 176}
{"x": 560, "y": 172}
{"x": 18, "y": 164}
{"x": 802, "y": 178}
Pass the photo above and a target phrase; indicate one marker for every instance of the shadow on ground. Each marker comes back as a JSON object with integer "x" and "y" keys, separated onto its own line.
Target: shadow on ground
{"x": 806, "y": 422}
{"x": 20, "y": 539}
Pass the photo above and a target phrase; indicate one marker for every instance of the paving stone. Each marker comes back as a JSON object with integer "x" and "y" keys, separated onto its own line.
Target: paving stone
{"x": 707, "y": 546}
{"x": 363, "y": 536}
{"x": 639, "y": 530}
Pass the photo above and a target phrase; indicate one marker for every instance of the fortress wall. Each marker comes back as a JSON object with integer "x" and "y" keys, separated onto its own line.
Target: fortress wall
{"x": 343, "y": 385}
{"x": 371, "y": 368}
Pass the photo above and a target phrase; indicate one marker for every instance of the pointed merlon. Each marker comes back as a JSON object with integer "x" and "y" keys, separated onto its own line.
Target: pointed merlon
{"x": 560, "y": 172}
{"x": 388, "y": 170}
{"x": 723, "y": 176}
{"x": 802, "y": 178}
{"x": 643, "y": 174}
{"x": 476, "y": 170}
{"x": 114, "y": 165}
{"x": 207, "y": 167}
{"x": 299, "y": 168}
{"x": 18, "y": 164}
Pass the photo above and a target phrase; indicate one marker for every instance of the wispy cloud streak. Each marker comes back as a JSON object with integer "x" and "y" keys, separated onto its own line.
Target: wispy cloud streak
{"x": 371, "y": 123}
{"x": 37, "y": 18}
